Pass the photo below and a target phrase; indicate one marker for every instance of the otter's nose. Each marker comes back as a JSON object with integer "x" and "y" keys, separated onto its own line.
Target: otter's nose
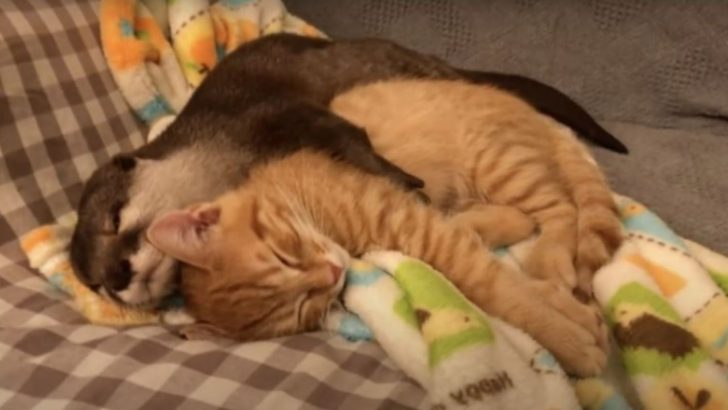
{"x": 119, "y": 278}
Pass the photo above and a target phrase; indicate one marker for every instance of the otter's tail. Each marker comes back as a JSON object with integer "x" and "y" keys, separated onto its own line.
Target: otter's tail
{"x": 552, "y": 102}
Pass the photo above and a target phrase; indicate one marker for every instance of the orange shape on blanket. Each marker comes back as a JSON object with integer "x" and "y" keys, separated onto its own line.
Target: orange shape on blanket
{"x": 668, "y": 281}
{"x": 249, "y": 30}
{"x": 122, "y": 52}
{"x": 632, "y": 209}
{"x": 156, "y": 37}
{"x": 203, "y": 52}
{"x": 35, "y": 237}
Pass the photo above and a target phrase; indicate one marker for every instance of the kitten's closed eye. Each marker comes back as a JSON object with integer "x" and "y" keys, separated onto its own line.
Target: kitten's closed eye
{"x": 287, "y": 261}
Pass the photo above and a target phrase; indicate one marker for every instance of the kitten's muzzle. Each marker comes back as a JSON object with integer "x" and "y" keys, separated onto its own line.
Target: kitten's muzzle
{"x": 336, "y": 273}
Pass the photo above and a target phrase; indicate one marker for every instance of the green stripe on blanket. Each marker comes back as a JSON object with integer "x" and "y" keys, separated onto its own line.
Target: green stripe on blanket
{"x": 464, "y": 358}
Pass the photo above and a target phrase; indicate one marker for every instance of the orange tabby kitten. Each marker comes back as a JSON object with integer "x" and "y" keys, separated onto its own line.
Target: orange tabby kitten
{"x": 473, "y": 145}
{"x": 267, "y": 259}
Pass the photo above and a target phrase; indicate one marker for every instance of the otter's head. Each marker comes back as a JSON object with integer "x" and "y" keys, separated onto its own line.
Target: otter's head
{"x": 108, "y": 250}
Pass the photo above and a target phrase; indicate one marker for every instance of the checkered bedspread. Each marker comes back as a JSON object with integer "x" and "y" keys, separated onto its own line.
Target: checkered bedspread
{"x": 61, "y": 115}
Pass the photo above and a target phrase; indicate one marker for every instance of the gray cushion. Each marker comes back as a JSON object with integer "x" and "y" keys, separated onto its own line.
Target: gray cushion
{"x": 680, "y": 174}
{"x": 656, "y": 62}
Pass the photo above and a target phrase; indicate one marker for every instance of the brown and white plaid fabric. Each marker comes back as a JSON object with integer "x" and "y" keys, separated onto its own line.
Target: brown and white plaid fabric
{"x": 61, "y": 115}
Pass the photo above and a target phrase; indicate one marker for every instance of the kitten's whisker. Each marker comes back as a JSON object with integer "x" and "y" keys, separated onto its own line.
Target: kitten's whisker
{"x": 298, "y": 311}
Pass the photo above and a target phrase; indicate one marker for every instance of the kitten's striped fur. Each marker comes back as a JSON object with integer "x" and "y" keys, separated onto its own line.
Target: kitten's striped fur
{"x": 475, "y": 145}
{"x": 264, "y": 268}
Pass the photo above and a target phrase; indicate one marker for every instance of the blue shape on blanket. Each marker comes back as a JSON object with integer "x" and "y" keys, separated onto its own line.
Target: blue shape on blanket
{"x": 363, "y": 277}
{"x": 501, "y": 251}
{"x": 154, "y": 109}
{"x": 722, "y": 341}
{"x": 234, "y": 3}
{"x": 354, "y": 329}
{"x": 220, "y": 51}
{"x": 616, "y": 402}
{"x": 126, "y": 28}
{"x": 547, "y": 360}
{"x": 57, "y": 281}
{"x": 645, "y": 221}
{"x": 173, "y": 301}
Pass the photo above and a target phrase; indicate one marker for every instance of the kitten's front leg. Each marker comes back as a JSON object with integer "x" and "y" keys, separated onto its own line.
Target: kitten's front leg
{"x": 546, "y": 311}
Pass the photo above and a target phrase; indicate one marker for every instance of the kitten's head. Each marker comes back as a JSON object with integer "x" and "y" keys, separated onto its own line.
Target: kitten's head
{"x": 255, "y": 269}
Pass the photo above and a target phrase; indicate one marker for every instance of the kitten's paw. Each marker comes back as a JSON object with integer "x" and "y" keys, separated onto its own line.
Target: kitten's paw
{"x": 201, "y": 331}
{"x": 602, "y": 323}
{"x": 575, "y": 333}
{"x": 552, "y": 262}
{"x": 512, "y": 227}
{"x": 584, "y": 291}
{"x": 497, "y": 225}
{"x": 519, "y": 228}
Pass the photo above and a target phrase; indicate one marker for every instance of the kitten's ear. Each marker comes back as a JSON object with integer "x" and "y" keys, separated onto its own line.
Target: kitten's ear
{"x": 185, "y": 235}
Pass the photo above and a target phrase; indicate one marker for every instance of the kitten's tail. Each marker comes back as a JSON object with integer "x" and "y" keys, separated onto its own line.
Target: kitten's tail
{"x": 599, "y": 229}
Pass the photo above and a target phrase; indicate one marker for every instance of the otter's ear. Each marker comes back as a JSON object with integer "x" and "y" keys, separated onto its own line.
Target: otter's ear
{"x": 185, "y": 235}
{"x": 124, "y": 162}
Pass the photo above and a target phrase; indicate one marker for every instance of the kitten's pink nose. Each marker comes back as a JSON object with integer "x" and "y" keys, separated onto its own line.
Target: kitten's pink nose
{"x": 336, "y": 272}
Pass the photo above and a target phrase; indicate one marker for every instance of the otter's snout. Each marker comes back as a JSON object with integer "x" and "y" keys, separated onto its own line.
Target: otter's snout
{"x": 119, "y": 277}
